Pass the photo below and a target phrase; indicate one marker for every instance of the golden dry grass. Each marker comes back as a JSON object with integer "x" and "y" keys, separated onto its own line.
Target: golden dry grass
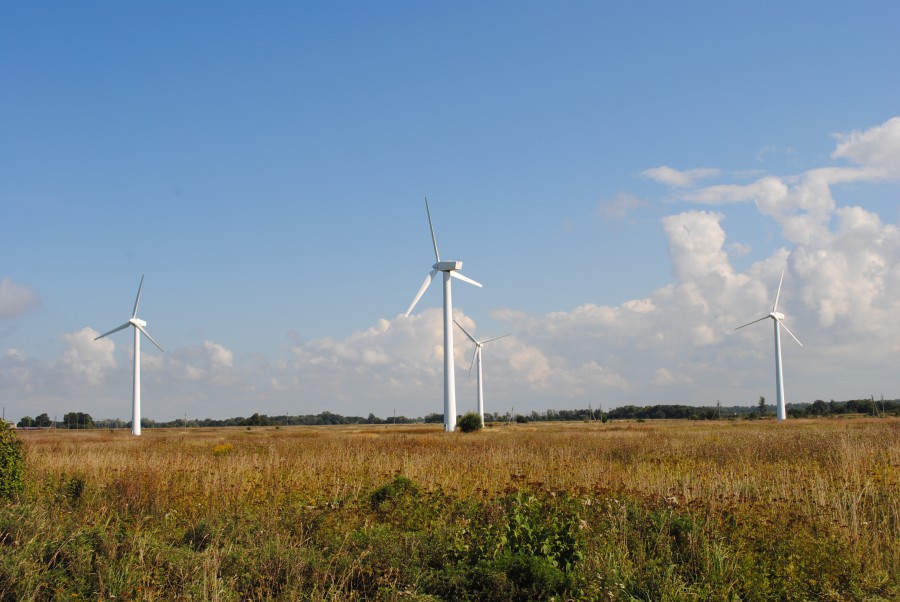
{"x": 838, "y": 476}
{"x": 829, "y": 467}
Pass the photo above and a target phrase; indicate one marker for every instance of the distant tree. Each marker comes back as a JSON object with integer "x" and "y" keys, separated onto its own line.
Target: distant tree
{"x": 26, "y": 421}
{"x": 257, "y": 420}
{"x": 860, "y": 406}
{"x": 818, "y": 408}
{"x": 762, "y": 406}
{"x": 706, "y": 414}
{"x": 470, "y": 422}
{"x": 43, "y": 420}
{"x": 489, "y": 417}
{"x": 78, "y": 420}
{"x": 521, "y": 418}
{"x": 331, "y": 418}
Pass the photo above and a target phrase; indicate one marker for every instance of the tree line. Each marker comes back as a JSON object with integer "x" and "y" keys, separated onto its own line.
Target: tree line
{"x": 873, "y": 407}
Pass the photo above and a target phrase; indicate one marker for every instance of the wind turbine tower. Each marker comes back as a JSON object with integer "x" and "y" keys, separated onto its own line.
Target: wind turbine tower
{"x": 140, "y": 326}
{"x": 777, "y": 320}
{"x": 449, "y": 269}
{"x": 476, "y": 361}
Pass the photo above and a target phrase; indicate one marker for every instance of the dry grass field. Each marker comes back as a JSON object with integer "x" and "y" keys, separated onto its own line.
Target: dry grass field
{"x": 728, "y": 510}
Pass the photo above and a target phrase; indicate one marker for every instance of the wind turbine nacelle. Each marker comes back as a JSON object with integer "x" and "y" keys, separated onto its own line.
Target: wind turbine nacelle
{"x": 777, "y": 315}
{"x": 138, "y": 322}
{"x": 447, "y": 266}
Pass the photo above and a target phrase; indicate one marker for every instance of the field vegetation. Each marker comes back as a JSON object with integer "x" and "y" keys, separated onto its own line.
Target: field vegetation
{"x": 670, "y": 510}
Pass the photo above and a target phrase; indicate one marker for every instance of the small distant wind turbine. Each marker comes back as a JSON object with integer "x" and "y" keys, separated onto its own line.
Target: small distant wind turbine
{"x": 476, "y": 359}
{"x": 450, "y": 269}
{"x": 139, "y": 327}
{"x": 777, "y": 318}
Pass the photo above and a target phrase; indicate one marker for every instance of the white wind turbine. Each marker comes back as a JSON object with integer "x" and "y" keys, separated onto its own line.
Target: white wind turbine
{"x": 777, "y": 318}
{"x": 476, "y": 359}
{"x": 139, "y": 327}
{"x": 449, "y": 270}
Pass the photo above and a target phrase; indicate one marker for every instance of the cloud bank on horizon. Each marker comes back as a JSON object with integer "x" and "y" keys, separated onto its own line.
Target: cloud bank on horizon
{"x": 676, "y": 344}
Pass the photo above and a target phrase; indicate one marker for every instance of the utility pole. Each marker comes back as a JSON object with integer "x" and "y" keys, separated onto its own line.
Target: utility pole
{"x": 718, "y": 410}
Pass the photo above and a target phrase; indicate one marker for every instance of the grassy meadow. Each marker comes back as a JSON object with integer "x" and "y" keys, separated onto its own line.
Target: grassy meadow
{"x": 667, "y": 510}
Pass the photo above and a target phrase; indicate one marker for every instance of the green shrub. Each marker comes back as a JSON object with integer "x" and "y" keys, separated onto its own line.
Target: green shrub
{"x": 533, "y": 577}
{"x": 390, "y": 492}
{"x": 548, "y": 528}
{"x": 73, "y": 488}
{"x": 470, "y": 423}
{"x": 12, "y": 462}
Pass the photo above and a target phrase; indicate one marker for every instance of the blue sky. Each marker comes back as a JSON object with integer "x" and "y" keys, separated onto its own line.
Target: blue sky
{"x": 265, "y": 167}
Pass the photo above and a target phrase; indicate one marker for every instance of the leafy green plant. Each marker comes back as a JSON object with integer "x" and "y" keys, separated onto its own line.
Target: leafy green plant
{"x": 546, "y": 528}
{"x": 12, "y": 462}
{"x": 73, "y": 488}
{"x": 389, "y": 494}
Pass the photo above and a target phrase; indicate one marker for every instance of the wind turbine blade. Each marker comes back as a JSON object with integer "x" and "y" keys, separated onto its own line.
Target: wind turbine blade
{"x": 458, "y": 276}
{"x": 428, "y": 279}
{"x": 778, "y": 294}
{"x": 138, "y": 299}
{"x": 790, "y": 333}
{"x": 474, "y": 357}
{"x": 753, "y": 322}
{"x": 147, "y": 334}
{"x": 468, "y": 334}
{"x": 437, "y": 257}
{"x": 117, "y": 329}
{"x": 494, "y": 338}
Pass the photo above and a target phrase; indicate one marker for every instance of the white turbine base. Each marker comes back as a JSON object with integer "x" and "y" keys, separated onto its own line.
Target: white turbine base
{"x": 136, "y": 398}
{"x": 449, "y": 368}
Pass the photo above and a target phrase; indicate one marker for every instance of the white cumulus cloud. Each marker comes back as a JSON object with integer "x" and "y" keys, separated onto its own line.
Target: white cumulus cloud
{"x": 219, "y": 357}
{"x": 877, "y": 148}
{"x": 620, "y": 206}
{"x": 679, "y": 179}
{"x": 85, "y": 358}
{"x": 16, "y": 299}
